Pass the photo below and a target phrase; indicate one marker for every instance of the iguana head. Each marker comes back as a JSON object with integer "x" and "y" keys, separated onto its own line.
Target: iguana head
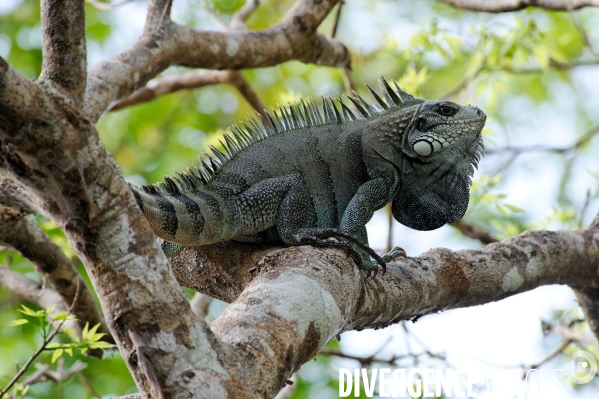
{"x": 441, "y": 146}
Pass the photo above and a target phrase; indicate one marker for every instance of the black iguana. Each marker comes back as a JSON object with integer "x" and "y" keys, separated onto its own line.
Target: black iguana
{"x": 309, "y": 178}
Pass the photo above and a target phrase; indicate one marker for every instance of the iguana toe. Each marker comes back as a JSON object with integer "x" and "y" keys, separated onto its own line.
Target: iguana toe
{"x": 394, "y": 254}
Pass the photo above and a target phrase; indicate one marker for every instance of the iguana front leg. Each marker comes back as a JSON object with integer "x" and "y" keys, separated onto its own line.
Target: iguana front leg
{"x": 372, "y": 195}
{"x": 294, "y": 211}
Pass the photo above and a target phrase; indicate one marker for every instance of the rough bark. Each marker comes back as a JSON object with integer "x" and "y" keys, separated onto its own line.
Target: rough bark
{"x": 438, "y": 280}
{"x": 64, "y": 47}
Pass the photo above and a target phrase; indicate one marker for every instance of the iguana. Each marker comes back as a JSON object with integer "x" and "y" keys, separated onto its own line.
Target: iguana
{"x": 303, "y": 177}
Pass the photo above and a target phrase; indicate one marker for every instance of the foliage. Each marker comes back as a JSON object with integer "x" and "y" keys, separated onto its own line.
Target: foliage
{"x": 50, "y": 325}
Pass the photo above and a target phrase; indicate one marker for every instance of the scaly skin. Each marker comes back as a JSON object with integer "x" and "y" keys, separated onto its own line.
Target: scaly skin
{"x": 313, "y": 179}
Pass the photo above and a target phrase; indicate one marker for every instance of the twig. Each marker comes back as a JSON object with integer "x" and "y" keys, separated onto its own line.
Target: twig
{"x": 389, "y": 214}
{"x": 550, "y": 356}
{"x": 45, "y": 373}
{"x": 590, "y": 133}
{"x": 473, "y": 231}
{"x": 348, "y": 82}
{"x": 160, "y": 87}
{"x": 238, "y": 19}
{"x": 465, "y": 82}
{"x": 213, "y": 17}
{"x": 40, "y": 350}
{"x": 337, "y": 17}
{"x": 582, "y": 32}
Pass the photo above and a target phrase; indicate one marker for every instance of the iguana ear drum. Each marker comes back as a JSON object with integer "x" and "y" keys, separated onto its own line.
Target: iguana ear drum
{"x": 432, "y": 206}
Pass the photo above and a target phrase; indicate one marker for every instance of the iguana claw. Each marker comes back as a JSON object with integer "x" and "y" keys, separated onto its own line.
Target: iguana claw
{"x": 394, "y": 254}
{"x": 359, "y": 244}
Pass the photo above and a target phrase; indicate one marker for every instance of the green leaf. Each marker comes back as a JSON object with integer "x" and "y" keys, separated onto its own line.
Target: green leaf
{"x": 58, "y": 353}
{"x": 61, "y": 316}
{"x": 71, "y": 334}
{"x": 84, "y": 332}
{"x": 28, "y": 311}
{"x": 54, "y": 345}
{"x": 501, "y": 210}
{"x": 542, "y": 56}
{"x": 50, "y": 309}
{"x": 18, "y": 322}
{"x": 92, "y": 331}
{"x": 100, "y": 345}
{"x": 97, "y": 337}
{"x": 514, "y": 208}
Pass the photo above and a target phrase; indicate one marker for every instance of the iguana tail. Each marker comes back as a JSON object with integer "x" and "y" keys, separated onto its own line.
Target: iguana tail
{"x": 178, "y": 217}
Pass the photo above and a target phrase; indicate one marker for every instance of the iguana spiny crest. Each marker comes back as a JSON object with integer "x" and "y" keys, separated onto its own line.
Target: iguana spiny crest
{"x": 305, "y": 177}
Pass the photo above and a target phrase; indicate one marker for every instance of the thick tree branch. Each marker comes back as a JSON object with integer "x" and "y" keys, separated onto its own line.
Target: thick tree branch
{"x": 498, "y": 6}
{"x": 293, "y": 39}
{"x": 14, "y": 196}
{"x": 439, "y": 279}
{"x": 301, "y": 297}
{"x": 18, "y": 97}
{"x": 26, "y": 237}
{"x": 64, "y": 47}
{"x": 58, "y": 155}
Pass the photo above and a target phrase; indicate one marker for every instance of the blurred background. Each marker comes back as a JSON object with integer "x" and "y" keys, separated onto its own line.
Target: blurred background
{"x": 534, "y": 72}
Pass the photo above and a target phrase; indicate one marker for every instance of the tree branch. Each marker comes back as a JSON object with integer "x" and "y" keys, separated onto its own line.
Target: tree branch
{"x": 295, "y": 38}
{"x": 473, "y": 231}
{"x": 238, "y": 19}
{"x": 200, "y": 305}
{"x": 14, "y": 196}
{"x": 64, "y": 47}
{"x": 185, "y": 81}
{"x": 193, "y": 80}
{"x": 588, "y": 299}
{"x": 499, "y": 6}
{"x": 301, "y": 297}
{"x": 19, "y": 100}
{"x": 159, "y": 16}
{"x": 437, "y": 280}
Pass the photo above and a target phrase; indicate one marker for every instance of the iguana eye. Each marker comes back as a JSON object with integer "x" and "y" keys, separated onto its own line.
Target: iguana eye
{"x": 423, "y": 148}
{"x": 447, "y": 110}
